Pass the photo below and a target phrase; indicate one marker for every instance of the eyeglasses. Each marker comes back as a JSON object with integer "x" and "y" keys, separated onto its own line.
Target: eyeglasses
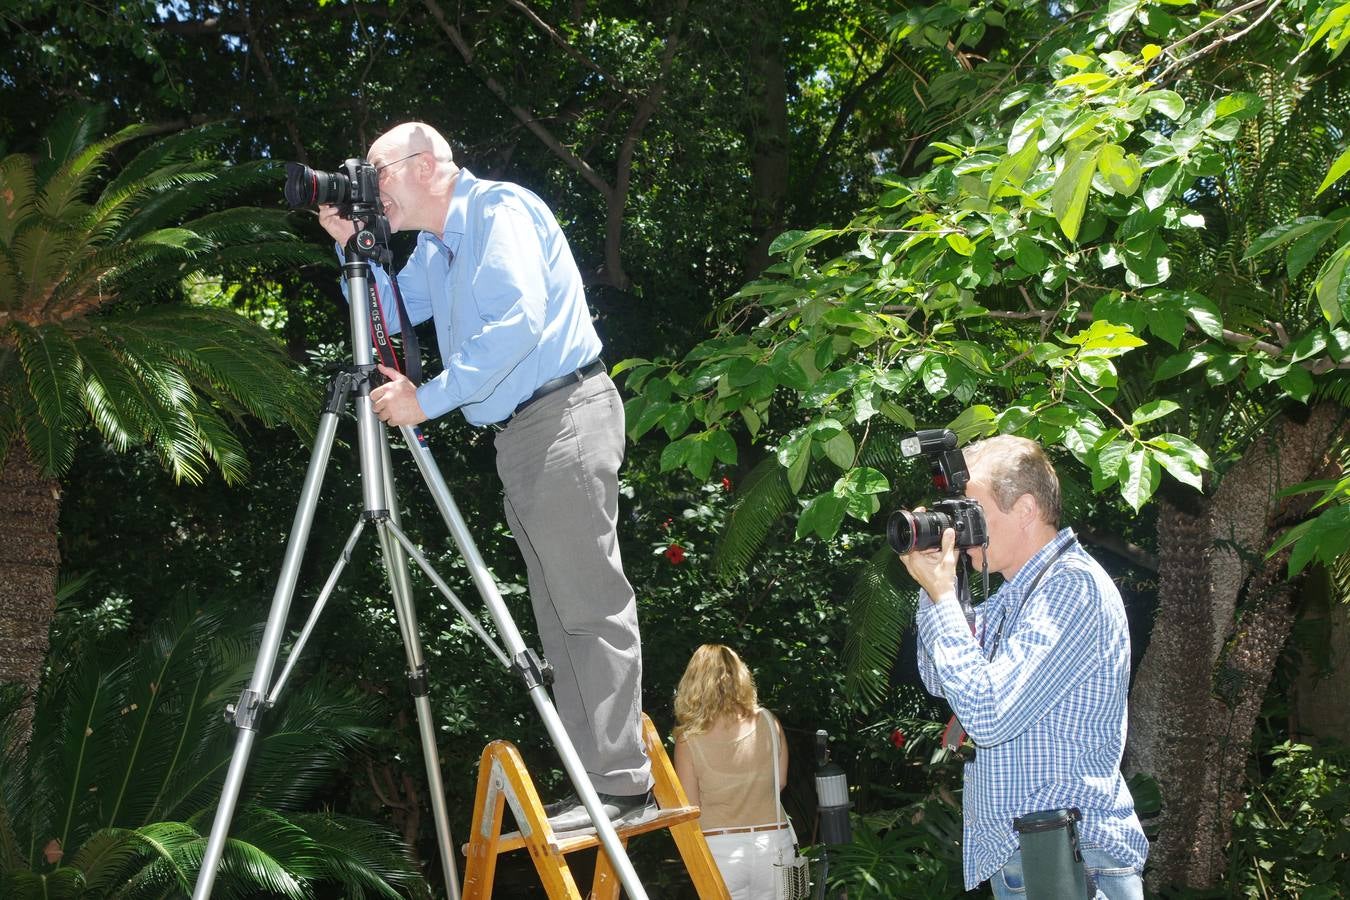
{"x": 381, "y": 169}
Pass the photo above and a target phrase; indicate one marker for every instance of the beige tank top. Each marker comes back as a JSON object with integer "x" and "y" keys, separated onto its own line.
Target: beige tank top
{"x": 735, "y": 778}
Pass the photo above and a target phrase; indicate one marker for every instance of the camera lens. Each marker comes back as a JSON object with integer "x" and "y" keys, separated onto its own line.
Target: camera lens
{"x": 311, "y": 187}
{"x": 908, "y": 531}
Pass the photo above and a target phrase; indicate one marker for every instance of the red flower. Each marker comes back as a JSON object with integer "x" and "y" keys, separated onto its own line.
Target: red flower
{"x": 726, "y": 484}
{"x": 675, "y": 553}
{"x": 897, "y": 738}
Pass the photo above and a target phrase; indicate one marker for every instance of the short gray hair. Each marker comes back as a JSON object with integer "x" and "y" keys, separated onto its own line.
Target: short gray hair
{"x": 1017, "y": 466}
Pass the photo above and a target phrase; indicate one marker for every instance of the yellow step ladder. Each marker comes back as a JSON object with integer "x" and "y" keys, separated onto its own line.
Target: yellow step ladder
{"x": 502, "y": 778}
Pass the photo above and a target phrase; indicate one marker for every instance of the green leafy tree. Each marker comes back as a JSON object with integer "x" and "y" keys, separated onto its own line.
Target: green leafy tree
{"x": 128, "y": 755}
{"x": 1070, "y": 266}
{"x": 86, "y": 262}
{"x": 1289, "y": 838}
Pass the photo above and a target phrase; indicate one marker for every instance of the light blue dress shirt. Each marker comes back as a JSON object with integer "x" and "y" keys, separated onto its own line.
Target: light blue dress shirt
{"x": 506, "y": 296}
{"x": 1047, "y": 713}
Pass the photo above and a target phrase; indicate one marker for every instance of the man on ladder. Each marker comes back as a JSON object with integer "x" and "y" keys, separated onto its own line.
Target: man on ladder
{"x": 494, "y": 271}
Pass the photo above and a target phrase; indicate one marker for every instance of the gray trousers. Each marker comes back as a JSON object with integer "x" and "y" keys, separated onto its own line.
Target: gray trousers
{"x": 559, "y": 463}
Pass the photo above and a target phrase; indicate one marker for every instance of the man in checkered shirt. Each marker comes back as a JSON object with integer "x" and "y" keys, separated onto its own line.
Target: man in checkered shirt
{"x": 1040, "y": 684}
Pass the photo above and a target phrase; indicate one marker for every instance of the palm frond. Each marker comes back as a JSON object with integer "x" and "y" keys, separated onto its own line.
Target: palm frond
{"x": 360, "y": 858}
{"x": 176, "y": 851}
{"x": 68, "y": 747}
{"x": 73, "y": 128}
{"x": 52, "y": 449}
{"x": 247, "y": 225}
{"x": 64, "y": 189}
{"x": 269, "y": 852}
{"x": 62, "y": 884}
{"x": 187, "y": 145}
{"x": 108, "y": 393}
{"x": 222, "y": 348}
{"x": 171, "y": 194}
{"x": 247, "y": 259}
{"x": 763, "y": 498}
{"x": 162, "y": 686}
{"x": 55, "y": 374}
{"x": 879, "y": 613}
{"x": 167, "y": 196}
{"x": 119, "y": 748}
{"x": 42, "y": 251}
{"x": 222, "y": 445}
{"x": 18, "y": 194}
{"x": 109, "y": 858}
{"x": 163, "y": 399}
{"x": 310, "y": 737}
{"x": 307, "y": 738}
{"x": 11, "y": 285}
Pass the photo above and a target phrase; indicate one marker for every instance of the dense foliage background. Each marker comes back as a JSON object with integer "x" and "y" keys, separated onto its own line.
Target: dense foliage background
{"x": 805, "y": 227}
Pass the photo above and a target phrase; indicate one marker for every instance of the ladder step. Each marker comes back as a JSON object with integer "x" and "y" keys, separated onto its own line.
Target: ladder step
{"x": 502, "y": 775}
{"x": 585, "y": 838}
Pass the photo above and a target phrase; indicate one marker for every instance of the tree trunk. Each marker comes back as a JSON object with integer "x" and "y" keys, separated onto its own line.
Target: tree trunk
{"x": 1321, "y": 708}
{"x": 1224, "y": 616}
{"x": 767, "y": 131}
{"x": 29, "y": 558}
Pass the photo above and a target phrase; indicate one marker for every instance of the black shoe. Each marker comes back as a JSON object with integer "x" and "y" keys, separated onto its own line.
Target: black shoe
{"x": 621, "y": 809}
{"x": 557, "y": 807}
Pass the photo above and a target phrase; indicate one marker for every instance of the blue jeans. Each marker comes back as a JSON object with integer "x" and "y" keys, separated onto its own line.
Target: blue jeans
{"x": 1114, "y": 881}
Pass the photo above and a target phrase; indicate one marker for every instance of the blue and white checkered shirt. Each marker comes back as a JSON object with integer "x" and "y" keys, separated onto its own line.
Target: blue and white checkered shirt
{"x": 1047, "y": 712}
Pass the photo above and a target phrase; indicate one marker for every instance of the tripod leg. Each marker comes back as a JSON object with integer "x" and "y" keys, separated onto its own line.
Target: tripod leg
{"x": 396, "y": 565}
{"x": 524, "y": 662}
{"x": 250, "y": 705}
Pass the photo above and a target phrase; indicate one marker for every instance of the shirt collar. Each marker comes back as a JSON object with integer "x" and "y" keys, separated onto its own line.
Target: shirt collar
{"x": 458, "y": 213}
{"x": 1039, "y": 560}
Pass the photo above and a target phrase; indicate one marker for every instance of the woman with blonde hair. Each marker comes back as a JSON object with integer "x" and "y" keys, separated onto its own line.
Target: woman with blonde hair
{"x": 731, "y": 757}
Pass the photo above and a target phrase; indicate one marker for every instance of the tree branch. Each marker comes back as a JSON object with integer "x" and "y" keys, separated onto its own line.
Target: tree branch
{"x": 1245, "y": 341}
{"x": 1226, "y": 39}
{"x": 524, "y": 116}
{"x": 567, "y": 47}
{"x": 1131, "y": 553}
{"x": 624, "y": 165}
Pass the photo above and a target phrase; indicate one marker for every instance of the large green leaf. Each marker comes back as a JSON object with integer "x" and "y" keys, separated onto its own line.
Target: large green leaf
{"x": 1336, "y": 172}
{"x": 1069, "y": 196}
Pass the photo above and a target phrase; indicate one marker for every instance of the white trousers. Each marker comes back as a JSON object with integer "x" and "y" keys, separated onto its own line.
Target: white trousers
{"x": 746, "y": 861}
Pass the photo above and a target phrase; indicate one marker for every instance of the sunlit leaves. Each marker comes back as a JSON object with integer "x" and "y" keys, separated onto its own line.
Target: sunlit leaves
{"x": 1073, "y": 200}
{"x": 1068, "y": 199}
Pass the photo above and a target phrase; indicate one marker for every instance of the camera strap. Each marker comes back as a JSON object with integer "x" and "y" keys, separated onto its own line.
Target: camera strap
{"x": 954, "y": 735}
{"x": 1031, "y": 588}
{"x": 379, "y": 332}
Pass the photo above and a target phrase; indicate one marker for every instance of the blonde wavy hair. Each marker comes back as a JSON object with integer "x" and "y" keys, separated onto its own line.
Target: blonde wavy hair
{"x": 715, "y": 683}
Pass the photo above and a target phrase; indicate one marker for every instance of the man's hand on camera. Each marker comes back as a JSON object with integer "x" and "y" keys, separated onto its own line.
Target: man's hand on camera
{"x": 339, "y": 228}
{"x": 396, "y": 401}
{"x": 935, "y": 569}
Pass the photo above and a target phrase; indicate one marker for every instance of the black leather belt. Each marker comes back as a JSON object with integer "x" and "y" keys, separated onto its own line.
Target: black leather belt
{"x": 554, "y": 384}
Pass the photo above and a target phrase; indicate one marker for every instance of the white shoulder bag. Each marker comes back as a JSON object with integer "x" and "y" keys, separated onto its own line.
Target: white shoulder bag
{"x": 791, "y": 873}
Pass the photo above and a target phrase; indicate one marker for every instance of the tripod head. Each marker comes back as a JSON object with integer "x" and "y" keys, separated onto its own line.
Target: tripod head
{"x": 371, "y": 240}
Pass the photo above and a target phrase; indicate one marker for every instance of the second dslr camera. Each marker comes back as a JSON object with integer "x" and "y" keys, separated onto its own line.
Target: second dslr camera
{"x": 909, "y": 530}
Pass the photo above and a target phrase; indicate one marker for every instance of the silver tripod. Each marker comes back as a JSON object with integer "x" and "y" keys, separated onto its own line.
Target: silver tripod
{"x": 381, "y": 511}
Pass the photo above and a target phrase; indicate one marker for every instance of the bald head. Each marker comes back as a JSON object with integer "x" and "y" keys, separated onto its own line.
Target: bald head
{"x": 409, "y": 138}
{"x": 417, "y": 176}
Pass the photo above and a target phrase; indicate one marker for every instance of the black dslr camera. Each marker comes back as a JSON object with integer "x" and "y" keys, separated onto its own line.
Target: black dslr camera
{"x": 356, "y": 194}
{"x": 908, "y": 531}
{"x": 355, "y": 191}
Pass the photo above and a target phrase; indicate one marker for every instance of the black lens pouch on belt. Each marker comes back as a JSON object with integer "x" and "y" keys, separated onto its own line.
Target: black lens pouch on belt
{"x": 1052, "y": 861}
